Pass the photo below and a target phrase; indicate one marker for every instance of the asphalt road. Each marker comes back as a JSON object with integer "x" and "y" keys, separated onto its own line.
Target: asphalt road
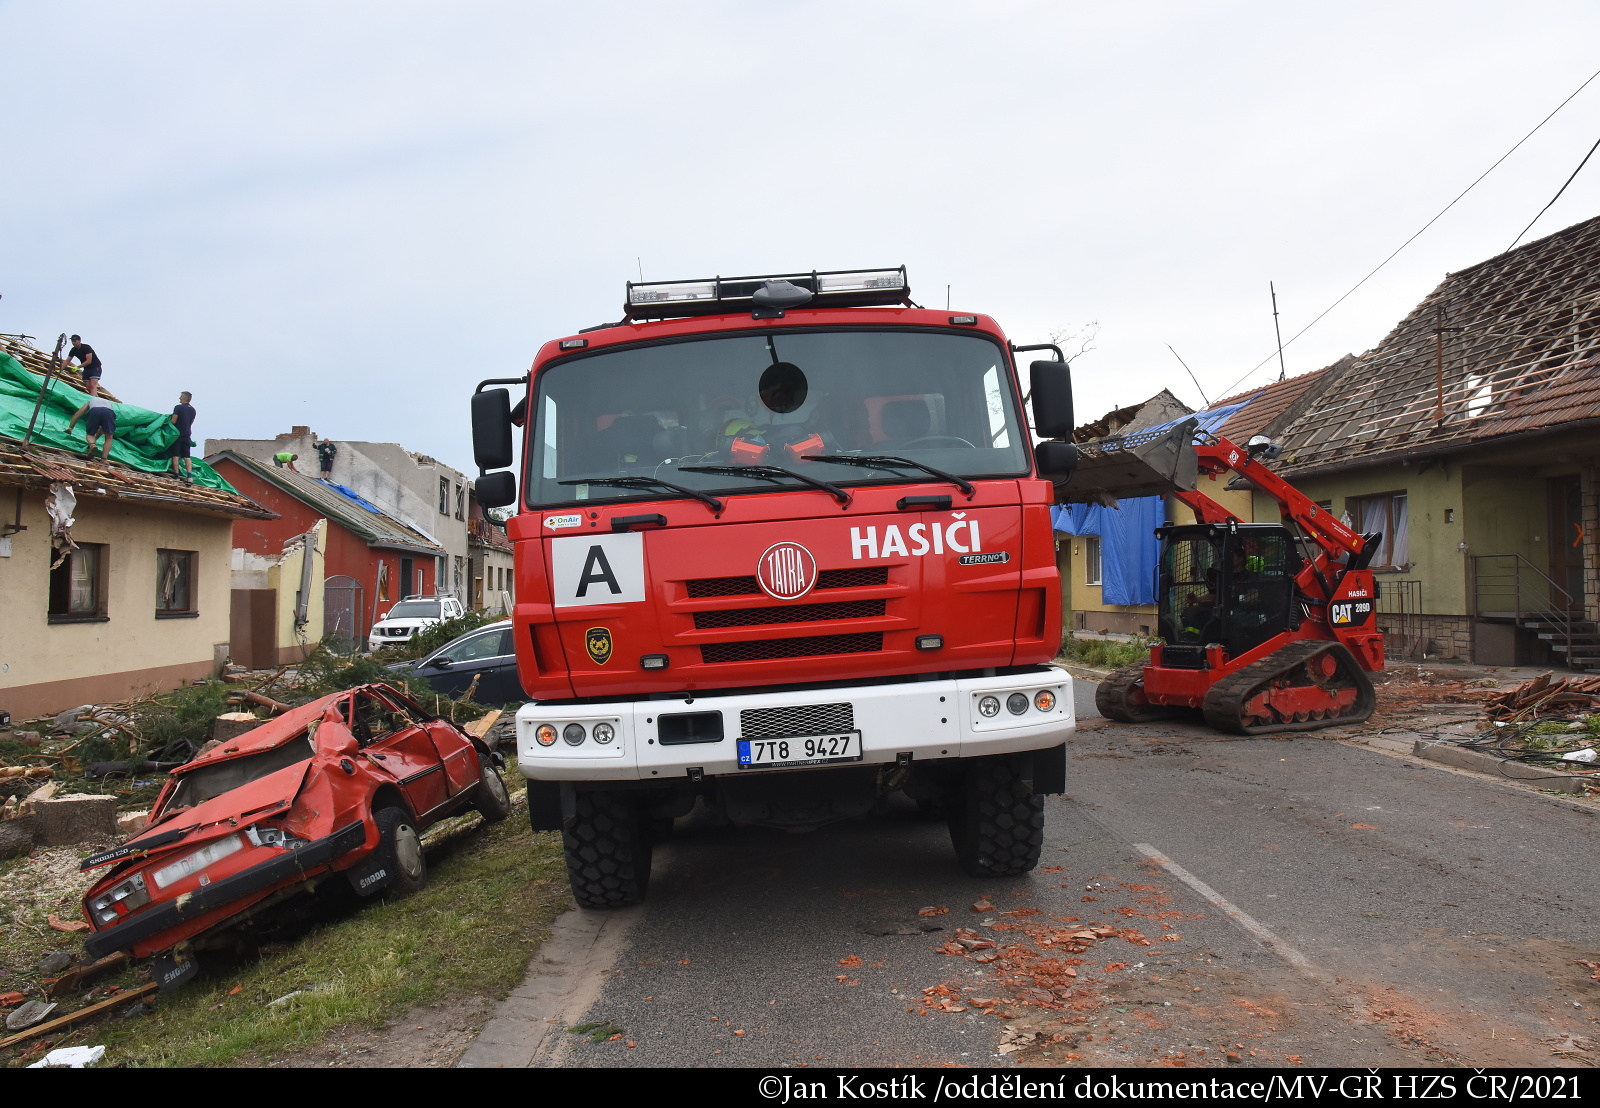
{"x": 1402, "y": 915}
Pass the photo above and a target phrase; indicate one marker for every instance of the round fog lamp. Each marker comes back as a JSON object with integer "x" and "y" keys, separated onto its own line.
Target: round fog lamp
{"x": 1017, "y": 703}
{"x": 545, "y": 735}
{"x": 989, "y": 706}
{"x": 1044, "y": 700}
{"x": 603, "y": 733}
{"x": 574, "y": 734}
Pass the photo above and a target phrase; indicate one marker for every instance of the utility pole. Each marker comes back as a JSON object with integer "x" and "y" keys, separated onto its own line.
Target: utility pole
{"x": 1283, "y": 374}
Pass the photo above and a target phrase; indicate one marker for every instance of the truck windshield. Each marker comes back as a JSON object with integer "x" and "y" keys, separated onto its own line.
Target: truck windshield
{"x": 944, "y": 400}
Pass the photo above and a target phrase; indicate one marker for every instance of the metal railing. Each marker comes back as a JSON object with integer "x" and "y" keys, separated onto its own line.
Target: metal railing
{"x": 1509, "y": 586}
{"x": 1400, "y": 615}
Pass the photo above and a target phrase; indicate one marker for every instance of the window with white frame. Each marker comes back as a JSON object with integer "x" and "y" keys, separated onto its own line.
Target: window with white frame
{"x": 1091, "y": 559}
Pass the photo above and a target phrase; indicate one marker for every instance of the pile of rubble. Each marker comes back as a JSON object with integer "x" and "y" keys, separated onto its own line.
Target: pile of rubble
{"x": 1545, "y": 696}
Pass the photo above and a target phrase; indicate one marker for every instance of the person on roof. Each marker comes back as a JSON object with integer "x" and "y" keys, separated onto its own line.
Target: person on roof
{"x": 89, "y": 361}
{"x": 325, "y": 453}
{"x": 99, "y": 418}
{"x": 183, "y": 418}
{"x": 285, "y": 460}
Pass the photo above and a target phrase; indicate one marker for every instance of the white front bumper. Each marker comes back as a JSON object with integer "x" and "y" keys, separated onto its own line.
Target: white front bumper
{"x": 927, "y": 719}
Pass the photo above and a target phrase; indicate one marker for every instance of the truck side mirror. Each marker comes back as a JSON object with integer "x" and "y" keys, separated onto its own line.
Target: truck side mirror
{"x": 491, "y": 429}
{"x": 1056, "y": 460}
{"x": 1051, "y": 386}
{"x": 496, "y": 490}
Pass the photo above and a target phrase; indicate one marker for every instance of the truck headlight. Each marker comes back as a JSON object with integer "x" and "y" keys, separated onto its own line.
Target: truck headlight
{"x": 603, "y": 733}
{"x": 1017, "y": 703}
{"x": 1044, "y": 700}
{"x": 545, "y": 735}
{"x": 574, "y": 734}
{"x": 989, "y": 706}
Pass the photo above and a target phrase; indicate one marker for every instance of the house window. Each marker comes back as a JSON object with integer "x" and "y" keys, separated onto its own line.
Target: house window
{"x": 444, "y": 496}
{"x": 461, "y": 503}
{"x": 1091, "y": 560}
{"x": 78, "y": 585}
{"x": 1385, "y": 514}
{"x": 383, "y": 581}
{"x": 175, "y": 583}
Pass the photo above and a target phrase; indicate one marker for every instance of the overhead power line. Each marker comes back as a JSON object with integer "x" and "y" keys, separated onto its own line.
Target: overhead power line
{"x": 1557, "y": 196}
{"x": 1229, "y": 390}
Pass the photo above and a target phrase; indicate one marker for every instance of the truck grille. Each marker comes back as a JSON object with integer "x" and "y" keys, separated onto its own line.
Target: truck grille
{"x": 798, "y": 719}
{"x": 797, "y": 613}
{"x": 704, "y": 587}
{"x": 759, "y": 649}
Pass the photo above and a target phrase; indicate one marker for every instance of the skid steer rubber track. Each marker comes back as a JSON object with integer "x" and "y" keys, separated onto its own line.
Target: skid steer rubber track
{"x": 1232, "y": 704}
{"x": 1121, "y": 697}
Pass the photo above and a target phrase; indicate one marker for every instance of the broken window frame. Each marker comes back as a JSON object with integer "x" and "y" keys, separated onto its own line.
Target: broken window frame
{"x": 444, "y": 496}
{"x": 89, "y": 603}
{"x": 461, "y": 502}
{"x": 184, "y": 588}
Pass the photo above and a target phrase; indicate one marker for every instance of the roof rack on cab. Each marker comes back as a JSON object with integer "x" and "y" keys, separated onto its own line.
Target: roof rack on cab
{"x": 766, "y": 297}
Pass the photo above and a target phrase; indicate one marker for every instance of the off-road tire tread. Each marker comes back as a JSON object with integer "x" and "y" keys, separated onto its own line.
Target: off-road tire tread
{"x": 607, "y": 850}
{"x": 1111, "y": 698}
{"x": 1224, "y": 703}
{"x": 997, "y": 821}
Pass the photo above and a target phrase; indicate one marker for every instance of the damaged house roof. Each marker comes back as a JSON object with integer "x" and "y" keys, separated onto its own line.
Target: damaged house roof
{"x": 341, "y": 505}
{"x": 1509, "y": 346}
{"x": 35, "y": 466}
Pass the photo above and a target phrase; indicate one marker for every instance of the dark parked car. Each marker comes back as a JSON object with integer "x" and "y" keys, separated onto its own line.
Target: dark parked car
{"x": 486, "y": 653}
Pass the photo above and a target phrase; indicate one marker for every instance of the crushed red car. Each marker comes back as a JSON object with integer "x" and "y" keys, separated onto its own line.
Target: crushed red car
{"x": 343, "y": 786}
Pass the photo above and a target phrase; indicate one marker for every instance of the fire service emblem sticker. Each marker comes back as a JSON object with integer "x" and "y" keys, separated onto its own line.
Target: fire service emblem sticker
{"x": 597, "y": 641}
{"x": 786, "y": 571}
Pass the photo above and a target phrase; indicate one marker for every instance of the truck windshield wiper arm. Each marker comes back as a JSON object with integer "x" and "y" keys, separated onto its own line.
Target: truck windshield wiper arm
{"x": 773, "y": 473}
{"x": 648, "y": 483}
{"x": 885, "y": 461}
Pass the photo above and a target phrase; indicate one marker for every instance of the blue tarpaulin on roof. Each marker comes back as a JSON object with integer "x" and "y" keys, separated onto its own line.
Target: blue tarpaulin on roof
{"x": 1128, "y": 545}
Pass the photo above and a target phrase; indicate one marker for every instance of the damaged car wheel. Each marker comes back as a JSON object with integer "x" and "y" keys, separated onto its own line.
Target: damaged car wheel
{"x": 493, "y": 802}
{"x": 402, "y": 847}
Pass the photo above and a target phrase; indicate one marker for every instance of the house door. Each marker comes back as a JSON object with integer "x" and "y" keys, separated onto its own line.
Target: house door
{"x": 407, "y": 585}
{"x": 1566, "y": 540}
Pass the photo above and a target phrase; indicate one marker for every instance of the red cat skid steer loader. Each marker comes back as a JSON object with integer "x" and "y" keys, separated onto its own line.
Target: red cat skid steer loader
{"x": 1264, "y": 627}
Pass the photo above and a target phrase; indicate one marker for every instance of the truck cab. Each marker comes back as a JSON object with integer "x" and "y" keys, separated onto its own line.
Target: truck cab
{"x": 783, "y": 547}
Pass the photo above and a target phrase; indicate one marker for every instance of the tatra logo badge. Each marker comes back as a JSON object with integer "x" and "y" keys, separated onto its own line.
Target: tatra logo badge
{"x": 597, "y": 641}
{"x": 786, "y": 571}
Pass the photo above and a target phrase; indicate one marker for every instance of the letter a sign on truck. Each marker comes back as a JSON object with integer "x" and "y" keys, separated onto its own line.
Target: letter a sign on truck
{"x": 597, "y": 569}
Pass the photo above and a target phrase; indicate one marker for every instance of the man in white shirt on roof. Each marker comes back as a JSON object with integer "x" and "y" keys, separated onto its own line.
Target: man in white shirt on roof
{"x": 99, "y": 417}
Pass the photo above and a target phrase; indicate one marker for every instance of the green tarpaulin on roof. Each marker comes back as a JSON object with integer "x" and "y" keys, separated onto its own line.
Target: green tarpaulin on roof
{"x": 142, "y": 436}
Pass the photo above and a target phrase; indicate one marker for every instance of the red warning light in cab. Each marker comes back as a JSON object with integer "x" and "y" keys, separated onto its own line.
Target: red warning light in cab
{"x": 787, "y": 571}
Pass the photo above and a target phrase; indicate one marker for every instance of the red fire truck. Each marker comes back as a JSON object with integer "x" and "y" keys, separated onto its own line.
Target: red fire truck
{"x": 783, "y": 547}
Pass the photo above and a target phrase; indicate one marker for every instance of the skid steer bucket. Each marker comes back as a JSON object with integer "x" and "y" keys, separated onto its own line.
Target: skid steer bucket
{"x": 1147, "y": 463}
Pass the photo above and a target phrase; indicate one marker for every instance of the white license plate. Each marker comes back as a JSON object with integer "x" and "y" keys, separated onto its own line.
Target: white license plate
{"x": 805, "y": 750}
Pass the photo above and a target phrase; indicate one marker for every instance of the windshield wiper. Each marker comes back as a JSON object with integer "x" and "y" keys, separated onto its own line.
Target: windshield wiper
{"x": 648, "y": 483}
{"x": 885, "y": 461}
{"x": 773, "y": 473}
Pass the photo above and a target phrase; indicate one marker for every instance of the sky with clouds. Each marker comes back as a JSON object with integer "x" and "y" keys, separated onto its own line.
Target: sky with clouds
{"x": 345, "y": 214}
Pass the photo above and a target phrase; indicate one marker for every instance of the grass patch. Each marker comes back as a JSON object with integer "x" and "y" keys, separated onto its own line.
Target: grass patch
{"x": 491, "y": 894}
{"x": 1104, "y": 653}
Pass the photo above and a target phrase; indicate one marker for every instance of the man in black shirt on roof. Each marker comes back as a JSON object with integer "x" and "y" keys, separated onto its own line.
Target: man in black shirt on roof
{"x": 84, "y": 355}
{"x": 183, "y": 418}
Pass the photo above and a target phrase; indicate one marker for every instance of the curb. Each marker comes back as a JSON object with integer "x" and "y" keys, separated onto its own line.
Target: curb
{"x": 1452, "y": 755}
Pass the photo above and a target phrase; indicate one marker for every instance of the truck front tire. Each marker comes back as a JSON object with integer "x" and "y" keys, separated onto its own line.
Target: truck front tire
{"x": 996, "y": 819}
{"x": 608, "y": 850}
